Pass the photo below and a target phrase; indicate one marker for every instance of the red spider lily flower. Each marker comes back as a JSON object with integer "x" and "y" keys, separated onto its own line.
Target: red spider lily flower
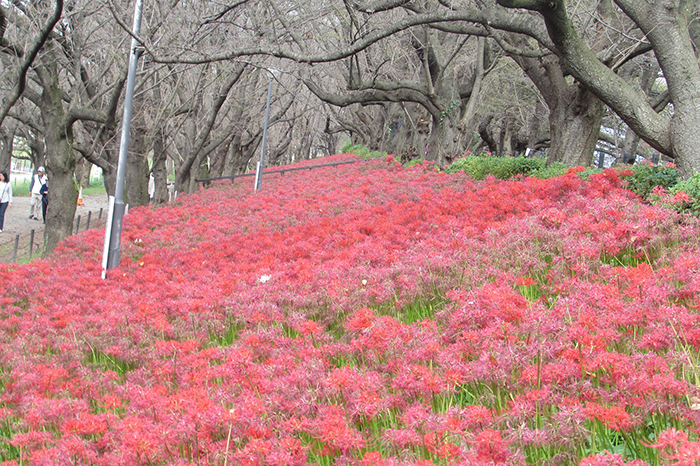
{"x": 612, "y": 417}
{"x": 677, "y": 449}
{"x": 373, "y": 458}
{"x": 490, "y": 446}
{"x": 524, "y": 281}
{"x": 610, "y": 459}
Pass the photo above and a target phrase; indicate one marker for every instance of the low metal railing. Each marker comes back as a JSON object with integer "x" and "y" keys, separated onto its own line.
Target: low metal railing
{"x": 26, "y": 246}
{"x": 282, "y": 171}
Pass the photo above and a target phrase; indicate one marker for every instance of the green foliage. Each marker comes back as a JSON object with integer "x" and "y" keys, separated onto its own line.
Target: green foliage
{"x": 227, "y": 335}
{"x": 550, "y": 171}
{"x": 94, "y": 189}
{"x": 691, "y": 187}
{"x": 647, "y": 177}
{"x": 20, "y": 187}
{"x": 503, "y": 168}
{"x": 449, "y": 108}
{"x": 660, "y": 185}
{"x": 363, "y": 152}
{"x": 413, "y": 162}
{"x": 108, "y": 362}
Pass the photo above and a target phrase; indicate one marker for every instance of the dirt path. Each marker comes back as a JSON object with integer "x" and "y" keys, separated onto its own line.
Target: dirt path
{"x": 17, "y": 220}
{"x": 17, "y": 223}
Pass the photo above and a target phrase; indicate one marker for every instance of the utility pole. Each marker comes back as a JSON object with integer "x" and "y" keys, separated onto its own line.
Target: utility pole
{"x": 271, "y": 72}
{"x": 115, "y": 217}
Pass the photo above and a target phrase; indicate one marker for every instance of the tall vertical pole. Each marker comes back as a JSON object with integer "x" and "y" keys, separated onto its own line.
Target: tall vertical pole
{"x": 258, "y": 174}
{"x": 113, "y": 234}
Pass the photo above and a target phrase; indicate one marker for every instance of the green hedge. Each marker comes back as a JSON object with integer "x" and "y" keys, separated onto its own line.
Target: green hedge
{"x": 647, "y": 177}
{"x": 503, "y": 168}
{"x": 363, "y": 152}
{"x": 691, "y": 187}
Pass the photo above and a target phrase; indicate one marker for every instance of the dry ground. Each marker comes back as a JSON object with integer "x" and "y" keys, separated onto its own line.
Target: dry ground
{"x": 17, "y": 223}
{"x": 17, "y": 220}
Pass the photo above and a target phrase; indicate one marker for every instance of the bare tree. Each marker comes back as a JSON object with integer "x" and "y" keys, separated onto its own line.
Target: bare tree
{"x": 665, "y": 28}
{"x": 71, "y": 80}
{"x": 661, "y": 27}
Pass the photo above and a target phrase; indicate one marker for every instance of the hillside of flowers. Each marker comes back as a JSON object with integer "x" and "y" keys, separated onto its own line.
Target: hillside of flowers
{"x": 363, "y": 314}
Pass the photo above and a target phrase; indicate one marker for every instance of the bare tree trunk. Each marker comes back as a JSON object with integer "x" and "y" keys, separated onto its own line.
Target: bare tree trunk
{"x": 479, "y": 74}
{"x": 232, "y": 157}
{"x": 7, "y": 147}
{"x": 305, "y": 144}
{"x": 184, "y": 178}
{"x": 443, "y": 144}
{"x": 278, "y": 154}
{"x": 536, "y": 135}
{"x": 575, "y": 113}
{"x": 631, "y": 144}
{"x": 629, "y": 148}
{"x": 160, "y": 175}
{"x": 505, "y": 146}
{"x": 109, "y": 170}
{"x": 330, "y": 138}
{"x": 201, "y": 172}
{"x": 82, "y": 171}
{"x": 137, "y": 169}
{"x": 574, "y": 126}
{"x": 486, "y": 135}
{"x": 60, "y": 159}
{"x": 218, "y": 160}
{"x": 408, "y": 130}
{"x": 37, "y": 147}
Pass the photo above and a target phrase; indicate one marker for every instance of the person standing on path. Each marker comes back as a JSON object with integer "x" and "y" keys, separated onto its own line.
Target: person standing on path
{"x": 151, "y": 187}
{"x": 5, "y": 197}
{"x": 44, "y": 199}
{"x": 35, "y": 187}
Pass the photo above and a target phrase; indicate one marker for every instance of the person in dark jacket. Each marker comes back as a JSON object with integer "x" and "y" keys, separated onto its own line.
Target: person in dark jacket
{"x": 44, "y": 191}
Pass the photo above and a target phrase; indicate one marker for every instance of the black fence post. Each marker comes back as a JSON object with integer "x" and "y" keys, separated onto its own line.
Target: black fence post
{"x": 77, "y": 225}
{"x": 87, "y": 226}
{"x": 14, "y": 254}
{"x": 31, "y": 244}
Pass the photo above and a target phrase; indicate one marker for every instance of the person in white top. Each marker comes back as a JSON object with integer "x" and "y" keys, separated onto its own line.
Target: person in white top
{"x": 151, "y": 187}
{"x": 35, "y": 188}
{"x": 5, "y": 197}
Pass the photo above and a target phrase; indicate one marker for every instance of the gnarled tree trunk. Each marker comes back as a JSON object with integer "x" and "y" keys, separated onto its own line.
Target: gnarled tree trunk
{"x": 574, "y": 125}
{"x": 575, "y": 113}
{"x": 60, "y": 158}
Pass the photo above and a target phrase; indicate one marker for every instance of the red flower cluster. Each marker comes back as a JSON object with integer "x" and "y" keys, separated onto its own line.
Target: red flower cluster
{"x": 362, "y": 314}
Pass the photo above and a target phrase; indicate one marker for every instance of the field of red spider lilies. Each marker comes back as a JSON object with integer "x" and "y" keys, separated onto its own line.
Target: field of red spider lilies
{"x": 365, "y": 314}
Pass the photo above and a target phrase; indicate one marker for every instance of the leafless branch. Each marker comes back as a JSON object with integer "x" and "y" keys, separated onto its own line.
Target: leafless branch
{"x": 510, "y": 20}
{"x": 29, "y": 59}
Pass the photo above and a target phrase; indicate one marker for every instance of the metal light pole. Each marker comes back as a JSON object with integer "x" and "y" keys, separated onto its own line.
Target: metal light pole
{"x": 271, "y": 72}
{"x": 113, "y": 229}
